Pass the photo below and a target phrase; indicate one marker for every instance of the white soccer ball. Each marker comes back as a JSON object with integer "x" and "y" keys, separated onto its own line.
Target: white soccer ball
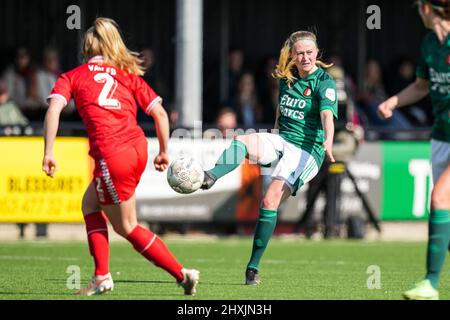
{"x": 185, "y": 175}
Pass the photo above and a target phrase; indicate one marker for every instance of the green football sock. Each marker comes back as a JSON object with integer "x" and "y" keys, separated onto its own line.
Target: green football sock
{"x": 230, "y": 159}
{"x": 264, "y": 229}
{"x": 438, "y": 241}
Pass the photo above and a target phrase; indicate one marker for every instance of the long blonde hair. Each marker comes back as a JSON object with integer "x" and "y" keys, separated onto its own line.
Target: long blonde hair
{"x": 286, "y": 66}
{"x": 104, "y": 39}
{"x": 440, "y": 7}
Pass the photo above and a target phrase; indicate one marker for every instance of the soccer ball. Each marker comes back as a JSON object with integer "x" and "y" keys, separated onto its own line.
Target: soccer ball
{"x": 185, "y": 175}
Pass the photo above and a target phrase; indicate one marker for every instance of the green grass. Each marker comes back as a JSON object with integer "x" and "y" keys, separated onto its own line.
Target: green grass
{"x": 291, "y": 270}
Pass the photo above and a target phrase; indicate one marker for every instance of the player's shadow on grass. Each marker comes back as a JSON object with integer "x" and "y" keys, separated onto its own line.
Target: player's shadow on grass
{"x": 144, "y": 281}
{"x": 160, "y": 282}
{"x": 116, "y": 281}
{"x": 207, "y": 283}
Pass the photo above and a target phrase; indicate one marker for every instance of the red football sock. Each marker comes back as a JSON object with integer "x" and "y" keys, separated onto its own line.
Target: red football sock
{"x": 153, "y": 249}
{"x": 97, "y": 233}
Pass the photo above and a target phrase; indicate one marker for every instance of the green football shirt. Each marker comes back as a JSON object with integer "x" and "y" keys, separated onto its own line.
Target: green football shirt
{"x": 434, "y": 66}
{"x": 300, "y": 106}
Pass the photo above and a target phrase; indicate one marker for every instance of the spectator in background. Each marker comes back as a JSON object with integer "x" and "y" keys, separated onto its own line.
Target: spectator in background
{"x": 404, "y": 74}
{"x": 47, "y": 74}
{"x": 350, "y": 85}
{"x": 348, "y": 136}
{"x": 152, "y": 76}
{"x": 174, "y": 117}
{"x": 46, "y": 78}
{"x": 22, "y": 83}
{"x": 226, "y": 120}
{"x": 154, "y": 80}
{"x": 249, "y": 193}
{"x": 10, "y": 114}
{"x": 235, "y": 71}
{"x": 371, "y": 94}
{"x": 348, "y": 122}
{"x": 268, "y": 87}
{"x": 245, "y": 102}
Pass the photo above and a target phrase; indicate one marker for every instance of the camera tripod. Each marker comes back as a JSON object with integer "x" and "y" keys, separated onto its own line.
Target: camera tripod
{"x": 329, "y": 179}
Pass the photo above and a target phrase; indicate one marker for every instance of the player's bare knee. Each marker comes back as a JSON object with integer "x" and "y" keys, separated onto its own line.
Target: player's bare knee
{"x": 440, "y": 199}
{"x": 89, "y": 204}
{"x": 130, "y": 225}
{"x": 87, "y": 207}
{"x": 120, "y": 229}
{"x": 271, "y": 201}
{"x": 251, "y": 141}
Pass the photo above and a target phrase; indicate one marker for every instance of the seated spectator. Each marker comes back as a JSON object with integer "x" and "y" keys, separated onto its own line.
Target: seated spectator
{"x": 46, "y": 78}
{"x": 404, "y": 74}
{"x": 156, "y": 81}
{"x": 268, "y": 88}
{"x": 225, "y": 125}
{"x": 245, "y": 102}
{"x": 174, "y": 117}
{"x": 226, "y": 120}
{"x": 22, "y": 83}
{"x": 235, "y": 71}
{"x": 371, "y": 94}
{"x": 47, "y": 74}
{"x": 153, "y": 76}
{"x": 10, "y": 114}
{"x": 350, "y": 84}
{"x": 349, "y": 132}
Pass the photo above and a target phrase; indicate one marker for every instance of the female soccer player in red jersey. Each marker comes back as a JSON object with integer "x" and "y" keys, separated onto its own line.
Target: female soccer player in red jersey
{"x": 106, "y": 90}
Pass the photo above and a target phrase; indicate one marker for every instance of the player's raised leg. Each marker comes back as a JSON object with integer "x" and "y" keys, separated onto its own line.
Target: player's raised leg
{"x": 124, "y": 221}
{"x": 438, "y": 240}
{"x": 244, "y": 146}
{"x": 277, "y": 192}
{"x": 97, "y": 234}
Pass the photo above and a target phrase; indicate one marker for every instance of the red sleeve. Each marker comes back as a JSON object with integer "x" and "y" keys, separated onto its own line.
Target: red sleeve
{"x": 62, "y": 89}
{"x": 144, "y": 95}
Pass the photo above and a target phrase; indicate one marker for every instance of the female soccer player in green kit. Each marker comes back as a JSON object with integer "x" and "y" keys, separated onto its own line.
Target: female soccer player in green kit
{"x": 433, "y": 77}
{"x": 307, "y": 104}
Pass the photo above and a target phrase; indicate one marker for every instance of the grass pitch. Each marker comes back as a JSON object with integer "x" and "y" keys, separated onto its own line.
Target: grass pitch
{"x": 290, "y": 270}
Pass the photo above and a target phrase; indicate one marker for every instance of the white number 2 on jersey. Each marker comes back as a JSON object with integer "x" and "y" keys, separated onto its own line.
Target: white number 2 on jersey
{"x": 105, "y": 98}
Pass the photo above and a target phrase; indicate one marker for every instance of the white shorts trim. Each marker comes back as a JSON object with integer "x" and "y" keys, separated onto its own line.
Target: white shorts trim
{"x": 440, "y": 158}
{"x": 108, "y": 182}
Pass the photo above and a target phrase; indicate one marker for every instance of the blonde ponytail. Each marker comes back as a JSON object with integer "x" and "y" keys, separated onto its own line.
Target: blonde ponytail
{"x": 323, "y": 65}
{"x": 104, "y": 39}
{"x": 286, "y": 66}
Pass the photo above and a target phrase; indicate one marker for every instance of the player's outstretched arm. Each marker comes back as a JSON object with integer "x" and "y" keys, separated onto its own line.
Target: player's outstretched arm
{"x": 411, "y": 94}
{"x": 328, "y": 128}
{"x": 161, "y": 119}
{"x": 51, "y": 124}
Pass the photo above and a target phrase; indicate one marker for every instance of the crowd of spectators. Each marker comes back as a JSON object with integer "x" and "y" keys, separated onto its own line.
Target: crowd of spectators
{"x": 25, "y": 86}
{"x": 250, "y": 98}
{"x": 252, "y": 94}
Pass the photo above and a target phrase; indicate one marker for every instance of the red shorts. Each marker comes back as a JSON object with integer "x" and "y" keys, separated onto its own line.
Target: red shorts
{"x": 117, "y": 177}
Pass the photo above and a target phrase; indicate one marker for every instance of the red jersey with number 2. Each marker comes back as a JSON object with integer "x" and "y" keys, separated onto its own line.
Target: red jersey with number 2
{"x": 106, "y": 99}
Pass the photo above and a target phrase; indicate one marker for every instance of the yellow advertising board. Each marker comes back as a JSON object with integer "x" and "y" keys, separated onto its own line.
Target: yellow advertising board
{"x": 28, "y": 195}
